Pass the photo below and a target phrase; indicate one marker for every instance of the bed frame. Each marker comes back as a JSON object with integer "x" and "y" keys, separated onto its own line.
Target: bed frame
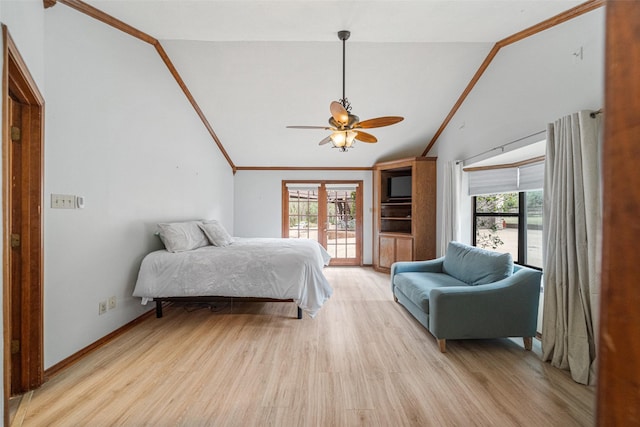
{"x": 160, "y": 301}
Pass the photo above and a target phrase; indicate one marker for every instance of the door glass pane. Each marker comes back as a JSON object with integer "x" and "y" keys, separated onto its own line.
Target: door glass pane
{"x": 341, "y": 223}
{"x": 303, "y": 213}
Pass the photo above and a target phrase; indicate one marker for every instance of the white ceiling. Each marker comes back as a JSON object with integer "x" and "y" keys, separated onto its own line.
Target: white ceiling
{"x": 255, "y": 67}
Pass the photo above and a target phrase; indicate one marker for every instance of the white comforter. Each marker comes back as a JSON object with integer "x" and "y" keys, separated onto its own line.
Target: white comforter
{"x": 257, "y": 267}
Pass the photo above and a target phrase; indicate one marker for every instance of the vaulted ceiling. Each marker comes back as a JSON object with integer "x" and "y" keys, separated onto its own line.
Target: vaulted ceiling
{"x": 255, "y": 67}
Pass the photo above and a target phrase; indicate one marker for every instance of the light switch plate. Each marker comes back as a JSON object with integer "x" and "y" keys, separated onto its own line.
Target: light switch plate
{"x": 63, "y": 201}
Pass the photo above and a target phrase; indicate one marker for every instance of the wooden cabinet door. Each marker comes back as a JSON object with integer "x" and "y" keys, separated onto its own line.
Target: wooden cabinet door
{"x": 387, "y": 251}
{"x": 404, "y": 249}
{"x": 394, "y": 248}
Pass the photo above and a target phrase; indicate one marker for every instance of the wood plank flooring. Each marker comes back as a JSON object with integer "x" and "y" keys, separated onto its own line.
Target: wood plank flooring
{"x": 363, "y": 361}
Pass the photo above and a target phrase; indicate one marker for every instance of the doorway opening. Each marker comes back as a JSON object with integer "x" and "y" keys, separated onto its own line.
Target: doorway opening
{"x": 22, "y": 195}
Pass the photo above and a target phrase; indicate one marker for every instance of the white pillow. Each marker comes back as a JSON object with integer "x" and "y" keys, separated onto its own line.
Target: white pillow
{"x": 182, "y": 236}
{"x": 216, "y": 233}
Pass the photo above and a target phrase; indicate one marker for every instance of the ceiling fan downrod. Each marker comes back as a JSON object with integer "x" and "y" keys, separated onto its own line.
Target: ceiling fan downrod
{"x": 344, "y": 36}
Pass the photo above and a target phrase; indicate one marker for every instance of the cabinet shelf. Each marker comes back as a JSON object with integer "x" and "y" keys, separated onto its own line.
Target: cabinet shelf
{"x": 395, "y": 226}
{"x": 396, "y": 202}
{"x": 396, "y": 217}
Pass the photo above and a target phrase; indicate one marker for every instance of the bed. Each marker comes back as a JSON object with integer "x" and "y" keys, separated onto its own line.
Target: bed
{"x": 264, "y": 268}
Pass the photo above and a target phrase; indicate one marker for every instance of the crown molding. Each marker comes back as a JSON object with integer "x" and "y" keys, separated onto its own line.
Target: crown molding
{"x": 304, "y": 168}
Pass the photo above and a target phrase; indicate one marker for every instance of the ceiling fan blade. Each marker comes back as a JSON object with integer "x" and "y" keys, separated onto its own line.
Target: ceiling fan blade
{"x": 366, "y": 137}
{"x": 379, "y": 122}
{"x": 339, "y": 113}
{"x": 325, "y": 141}
{"x": 309, "y": 127}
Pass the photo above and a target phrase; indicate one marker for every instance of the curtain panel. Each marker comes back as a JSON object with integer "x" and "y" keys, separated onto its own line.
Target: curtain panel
{"x": 451, "y": 192}
{"x": 571, "y": 242}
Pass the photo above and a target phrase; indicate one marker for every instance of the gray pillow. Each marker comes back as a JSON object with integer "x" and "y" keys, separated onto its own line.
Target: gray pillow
{"x": 476, "y": 266}
{"x": 216, "y": 233}
{"x": 182, "y": 236}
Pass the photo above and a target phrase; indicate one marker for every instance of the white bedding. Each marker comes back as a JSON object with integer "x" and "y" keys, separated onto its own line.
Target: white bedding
{"x": 256, "y": 267}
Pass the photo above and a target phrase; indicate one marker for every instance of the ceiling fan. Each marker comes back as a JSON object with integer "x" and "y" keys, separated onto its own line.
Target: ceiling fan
{"x": 346, "y": 127}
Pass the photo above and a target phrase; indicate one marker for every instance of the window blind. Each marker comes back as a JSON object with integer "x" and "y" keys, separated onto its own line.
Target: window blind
{"x": 346, "y": 186}
{"x": 506, "y": 180}
{"x": 493, "y": 181}
{"x": 531, "y": 177}
{"x": 302, "y": 186}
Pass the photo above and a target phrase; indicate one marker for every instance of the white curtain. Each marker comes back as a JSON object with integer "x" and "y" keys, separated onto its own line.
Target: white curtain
{"x": 451, "y": 192}
{"x": 571, "y": 242}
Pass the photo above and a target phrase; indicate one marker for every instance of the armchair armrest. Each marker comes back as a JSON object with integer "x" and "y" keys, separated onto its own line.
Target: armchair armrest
{"x": 430, "y": 266}
{"x": 507, "y": 308}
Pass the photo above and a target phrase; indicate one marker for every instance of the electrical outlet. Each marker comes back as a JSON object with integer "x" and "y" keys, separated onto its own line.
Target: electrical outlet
{"x": 112, "y": 303}
{"x": 102, "y": 307}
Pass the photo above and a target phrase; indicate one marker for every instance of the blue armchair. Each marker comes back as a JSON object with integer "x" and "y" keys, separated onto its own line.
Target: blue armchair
{"x": 469, "y": 293}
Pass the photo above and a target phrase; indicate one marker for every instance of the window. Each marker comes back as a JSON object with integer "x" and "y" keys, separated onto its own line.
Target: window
{"x": 510, "y": 222}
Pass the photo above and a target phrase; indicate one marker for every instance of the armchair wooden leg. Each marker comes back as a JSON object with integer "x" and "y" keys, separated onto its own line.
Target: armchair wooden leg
{"x": 528, "y": 343}
{"x": 442, "y": 343}
{"x": 395, "y": 298}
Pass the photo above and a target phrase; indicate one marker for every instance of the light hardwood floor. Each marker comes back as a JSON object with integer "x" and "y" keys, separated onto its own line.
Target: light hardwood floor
{"x": 362, "y": 361}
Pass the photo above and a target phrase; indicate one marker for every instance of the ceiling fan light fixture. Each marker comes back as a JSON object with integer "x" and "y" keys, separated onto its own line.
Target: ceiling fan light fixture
{"x": 343, "y": 139}
{"x": 351, "y": 136}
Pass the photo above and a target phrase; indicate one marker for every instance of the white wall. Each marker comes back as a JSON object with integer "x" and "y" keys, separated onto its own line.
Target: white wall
{"x": 119, "y": 132}
{"x": 258, "y": 202}
{"x": 529, "y": 84}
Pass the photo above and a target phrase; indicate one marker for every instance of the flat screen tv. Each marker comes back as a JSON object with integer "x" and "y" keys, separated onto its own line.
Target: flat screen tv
{"x": 399, "y": 187}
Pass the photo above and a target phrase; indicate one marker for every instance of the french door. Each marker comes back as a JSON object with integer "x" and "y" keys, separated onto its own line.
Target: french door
{"x": 327, "y": 211}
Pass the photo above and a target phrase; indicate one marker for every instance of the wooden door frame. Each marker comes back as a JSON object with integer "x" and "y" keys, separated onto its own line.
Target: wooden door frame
{"x": 17, "y": 80}
{"x": 618, "y": 350}
{"x": 322, "y": 208}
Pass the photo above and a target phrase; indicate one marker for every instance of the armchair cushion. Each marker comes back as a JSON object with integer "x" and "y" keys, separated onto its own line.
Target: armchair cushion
{"x": 417, "y": 285}
{"x": 476, "y": 266}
